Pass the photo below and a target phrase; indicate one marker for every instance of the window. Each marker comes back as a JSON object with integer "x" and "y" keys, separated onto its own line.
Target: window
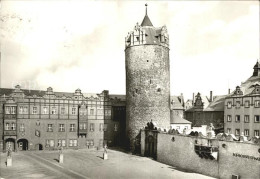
{"x": 73, "y": 111}
{"x": 72, "y": 127}
{"x": 100, "y": 111}
{"x": 34, "y": 110}
{"x": 10, "y": 110}
{"x": 23, "y": 110}
{"x": 53, "y": 110}
{"x": 257, "y": 118}
{"x": 105, "y": 127}
{"x": 13, "y": 126}
{"x": 50, "y": 143}
{"x": 50, "y": 129}
{"x": 246, "y": 118}
{"x": 256, "y": 133}
{"x": 246, "y": 132}
{"x": 7, "y": 110}
{"x": 108, "y": 112}
{"x": 90, "y": 142}
{"x": 229, "y": 104}
{"x": 45, "y": 110}
{"x": 247, "y": 104}
{"x": 61, "y": 128}
{"x": 7, "y": 127}
{"x": 257, "y": 104}
{"x": 229, "y": 118}
{"x": 82, "y": 126}
{"x": 62, "y": 110}
{"x": 91, "y": 111}
{"x": 229, "y": 130}
{"x": 91, "y": 128}
{"x": 115, "y": 127}
{"x": 61, "y": 143}
{"x": 238, "y": 104}
{"x": 21, "y": 127}
{"x": 237, "y": 132}
{"x": 13, "y": 110}
{"x": 101, "y": 128}
{"x": 73, "y": 143}
{"x": 237, "y": 118}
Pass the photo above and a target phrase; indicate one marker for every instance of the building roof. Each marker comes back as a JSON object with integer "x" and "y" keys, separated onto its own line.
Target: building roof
{"x": 176, "y": 119}
{"x": 204, "y": 100}
{"x": 177, "y": 102}
{"x": 217, "y": 104}
{"x": 146, "y": 21}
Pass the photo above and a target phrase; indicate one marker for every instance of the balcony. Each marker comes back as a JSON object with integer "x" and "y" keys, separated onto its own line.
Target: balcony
{"x": 10, "y": 133}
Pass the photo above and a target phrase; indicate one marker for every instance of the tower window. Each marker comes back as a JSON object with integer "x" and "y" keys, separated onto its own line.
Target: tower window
{"x": 147, "y": 60}
{"x": 159, "y": 90}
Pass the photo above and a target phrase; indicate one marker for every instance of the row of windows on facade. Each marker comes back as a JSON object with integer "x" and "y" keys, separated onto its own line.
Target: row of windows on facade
{"x": 72, "y": 142}
{"x": 45, "y": 110}
{"x": 246, "y": 104}
{"x": 246, "y": 118}
{"x": 72, "y": 128}
{"x": 246, "y": 132}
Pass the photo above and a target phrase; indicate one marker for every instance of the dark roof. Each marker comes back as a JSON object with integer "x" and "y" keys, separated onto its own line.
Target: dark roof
{"x": 146, "y": 21}
{"x": 217, "y": 104}
{"x": 205, "y": 102}
{"x": 176, "y": 119}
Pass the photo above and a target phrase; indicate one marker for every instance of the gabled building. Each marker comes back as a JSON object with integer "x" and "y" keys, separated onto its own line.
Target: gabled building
{"x": 242, "y": 107}
{"x": 38, "y": 120}
{"x": 207, "y": 110}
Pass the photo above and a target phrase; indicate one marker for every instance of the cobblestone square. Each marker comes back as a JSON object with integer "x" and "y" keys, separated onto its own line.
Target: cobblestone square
{"x": 88, "y": 163}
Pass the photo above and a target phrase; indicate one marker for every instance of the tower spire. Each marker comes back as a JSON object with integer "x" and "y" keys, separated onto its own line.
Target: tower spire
{"x": 146, "y": 20}
{"x": 146, "y": 9}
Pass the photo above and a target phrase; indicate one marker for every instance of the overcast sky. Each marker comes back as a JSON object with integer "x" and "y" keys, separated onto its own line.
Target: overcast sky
{"x": 69, "y": 45}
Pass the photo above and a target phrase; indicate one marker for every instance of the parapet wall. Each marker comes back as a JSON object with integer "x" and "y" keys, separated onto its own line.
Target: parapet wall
{"x": 233, "y": 157}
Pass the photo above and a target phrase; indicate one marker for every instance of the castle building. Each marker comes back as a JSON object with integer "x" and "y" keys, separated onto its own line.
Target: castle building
{"x": 242, "y": 107}
{"x": 147, "y": 78}
{"x": 39, "y": 120}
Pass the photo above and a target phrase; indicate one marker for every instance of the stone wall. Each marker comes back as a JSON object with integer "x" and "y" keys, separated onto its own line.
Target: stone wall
{"x": 234, "y": 158}
{"x": 147, "y": 88}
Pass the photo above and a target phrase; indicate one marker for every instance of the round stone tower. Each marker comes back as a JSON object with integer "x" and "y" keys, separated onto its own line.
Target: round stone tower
{"x": 147, "y": 79}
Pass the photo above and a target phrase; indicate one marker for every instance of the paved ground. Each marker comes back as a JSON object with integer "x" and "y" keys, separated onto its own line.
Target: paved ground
{"x": 87, "y": 163}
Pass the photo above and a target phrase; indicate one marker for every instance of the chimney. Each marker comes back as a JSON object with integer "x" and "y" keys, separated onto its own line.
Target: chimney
{"x": 210, "y": 97}
{"x": 228, "y": 90}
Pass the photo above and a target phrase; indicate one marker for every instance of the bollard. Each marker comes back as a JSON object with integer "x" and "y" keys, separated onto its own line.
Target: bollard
{"x": 9, "y": 161}
{"x": 61, "y": 158}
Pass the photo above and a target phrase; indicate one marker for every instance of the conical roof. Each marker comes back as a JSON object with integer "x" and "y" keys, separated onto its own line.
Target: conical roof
{"x": 146, "y": 21}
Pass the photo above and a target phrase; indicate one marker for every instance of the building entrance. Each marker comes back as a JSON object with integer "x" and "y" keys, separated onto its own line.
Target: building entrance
{"x": 150, "y": 146}
{"x": 38, "y": 147}
{"x": 10, "y": 144}
{"x": 22, "y": 144}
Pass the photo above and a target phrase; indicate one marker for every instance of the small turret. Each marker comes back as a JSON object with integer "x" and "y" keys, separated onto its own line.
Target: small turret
{"x": 257, "y": 69}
